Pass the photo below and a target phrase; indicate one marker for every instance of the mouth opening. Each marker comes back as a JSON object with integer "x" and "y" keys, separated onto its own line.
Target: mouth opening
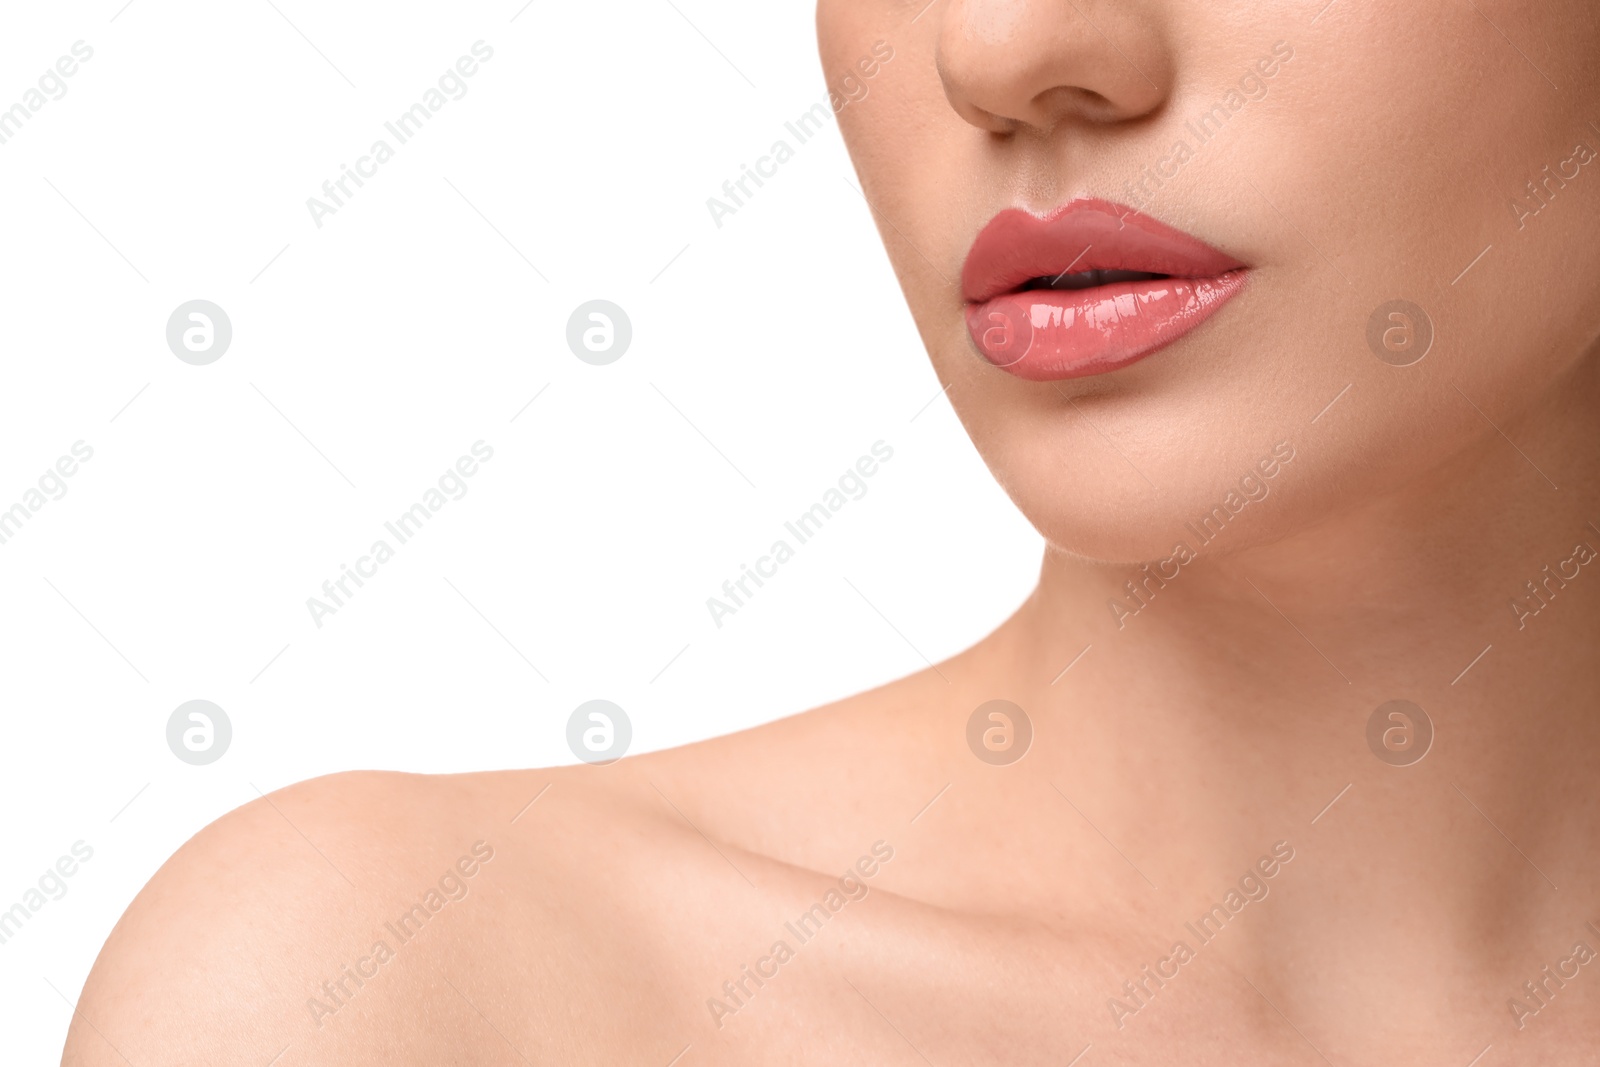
{"x": 1088, "y": 279}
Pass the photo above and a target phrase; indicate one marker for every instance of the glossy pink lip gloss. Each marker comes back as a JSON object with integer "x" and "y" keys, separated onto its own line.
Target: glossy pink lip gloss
{"x": 1039, "y": 333}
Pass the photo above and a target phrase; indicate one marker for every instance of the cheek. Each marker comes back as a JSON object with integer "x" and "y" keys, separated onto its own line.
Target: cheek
{"x": 1409, "y": 191}
{"x": 846, "y": 32}
{"x": 1403, "y": 187}
{"x": 903, "y": 138}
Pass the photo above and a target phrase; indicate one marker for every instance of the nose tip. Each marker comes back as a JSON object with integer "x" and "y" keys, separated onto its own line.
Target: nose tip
{"x": 1013, "y": 64}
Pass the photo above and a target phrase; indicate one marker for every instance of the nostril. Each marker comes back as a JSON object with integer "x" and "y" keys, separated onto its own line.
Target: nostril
{"x": 1086, "y": 104}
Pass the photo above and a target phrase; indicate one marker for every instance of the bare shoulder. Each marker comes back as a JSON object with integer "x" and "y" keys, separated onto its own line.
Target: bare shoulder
{"x": 349, "y": 919}
{"x": 389, "y": 918}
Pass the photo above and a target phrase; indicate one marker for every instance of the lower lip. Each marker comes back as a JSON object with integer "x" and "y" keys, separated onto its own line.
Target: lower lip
{"x": 1046, "y": 335}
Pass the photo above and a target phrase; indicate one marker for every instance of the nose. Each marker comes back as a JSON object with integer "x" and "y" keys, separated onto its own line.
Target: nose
{"x": 1009, "y": 65}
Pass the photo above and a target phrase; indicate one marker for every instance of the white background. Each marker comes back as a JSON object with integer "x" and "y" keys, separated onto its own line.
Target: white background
{"x": 766, "y": 358}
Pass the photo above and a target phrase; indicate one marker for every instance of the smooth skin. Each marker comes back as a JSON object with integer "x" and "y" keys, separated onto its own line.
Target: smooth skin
{"x": 1192, "y": 737}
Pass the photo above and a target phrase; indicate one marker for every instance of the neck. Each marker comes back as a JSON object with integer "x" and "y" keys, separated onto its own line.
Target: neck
{"x": 1221, "y": 710}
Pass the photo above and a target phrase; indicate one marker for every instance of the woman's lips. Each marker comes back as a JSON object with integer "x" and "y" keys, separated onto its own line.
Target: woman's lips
{"x": 1033, "y": 331}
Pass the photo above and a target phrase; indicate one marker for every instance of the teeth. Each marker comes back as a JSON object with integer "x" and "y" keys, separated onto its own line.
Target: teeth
{"x": 1088, "y": 279}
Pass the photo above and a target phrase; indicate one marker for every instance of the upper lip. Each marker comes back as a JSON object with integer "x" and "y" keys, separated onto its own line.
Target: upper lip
{"x": 1017, "y": 247}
